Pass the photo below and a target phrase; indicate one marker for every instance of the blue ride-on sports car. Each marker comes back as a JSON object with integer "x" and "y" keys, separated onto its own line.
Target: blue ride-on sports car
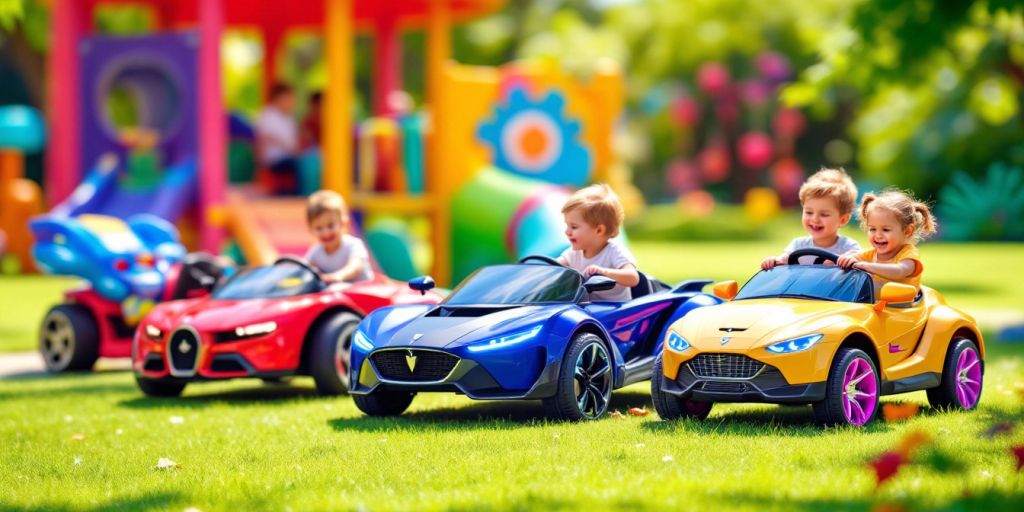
{"x": 518, "y": 331}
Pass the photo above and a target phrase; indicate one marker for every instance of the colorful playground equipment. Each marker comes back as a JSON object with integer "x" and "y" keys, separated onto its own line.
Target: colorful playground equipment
{"x": 496, "y": 139}
{"x": 21, "y": 132}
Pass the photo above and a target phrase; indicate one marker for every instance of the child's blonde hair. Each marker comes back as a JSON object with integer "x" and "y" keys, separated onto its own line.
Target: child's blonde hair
{"x": 598, "y": 205}
{"x": 907, "y": 210}
{"x": 833, "y": 184}
{"x": 325, "y": 201}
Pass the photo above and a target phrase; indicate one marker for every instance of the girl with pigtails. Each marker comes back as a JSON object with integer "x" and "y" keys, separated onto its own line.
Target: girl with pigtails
{"x": 895, "y": 223}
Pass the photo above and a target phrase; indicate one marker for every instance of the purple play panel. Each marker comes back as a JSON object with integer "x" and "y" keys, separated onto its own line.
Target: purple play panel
{"x": 159, "y": 73}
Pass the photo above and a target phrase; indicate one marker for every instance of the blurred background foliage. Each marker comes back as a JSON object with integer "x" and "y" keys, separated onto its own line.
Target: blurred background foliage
{"x": 726, "y": 97}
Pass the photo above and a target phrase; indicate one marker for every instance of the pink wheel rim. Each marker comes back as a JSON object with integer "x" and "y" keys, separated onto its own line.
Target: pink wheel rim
{"x": 860, "y": 392}
{"x": 968, "y": 378}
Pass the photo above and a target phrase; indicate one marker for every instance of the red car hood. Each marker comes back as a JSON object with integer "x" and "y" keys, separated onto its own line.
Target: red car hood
{"x": 206, "y": 314}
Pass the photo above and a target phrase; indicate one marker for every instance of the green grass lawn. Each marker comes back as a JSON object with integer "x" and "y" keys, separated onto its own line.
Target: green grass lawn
{"x": 90, "y": 442}
{"x": 86, "y": 442}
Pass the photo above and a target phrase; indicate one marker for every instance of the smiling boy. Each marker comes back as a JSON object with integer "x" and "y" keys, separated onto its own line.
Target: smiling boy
{"x": 593, "y": 216}
{"x": 828, "y": 198}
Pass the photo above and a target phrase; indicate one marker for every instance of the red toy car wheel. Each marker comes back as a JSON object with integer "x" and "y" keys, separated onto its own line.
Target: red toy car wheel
{"x": 329, "y": 356}
{"x": 69, "y": 339}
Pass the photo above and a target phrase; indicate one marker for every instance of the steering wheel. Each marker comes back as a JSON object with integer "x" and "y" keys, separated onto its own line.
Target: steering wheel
{"x": 302, "y": 263}
{"x": 821, "y": 256}
{"x": 540, "y": 257}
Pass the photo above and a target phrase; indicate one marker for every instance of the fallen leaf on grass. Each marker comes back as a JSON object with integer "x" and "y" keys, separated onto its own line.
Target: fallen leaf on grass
{"x": 1018, "y": 453}
{"x": 78, "y": 436}
{"x": 165, "y": 463}
{"x": 899, "y": 412}
{"x": 912, "y": 441}
{"x": 998, "y": 429}
{"x": 617, "y": 414}
{"x": 639, "y": 411}
{"x": 886, "y": 466}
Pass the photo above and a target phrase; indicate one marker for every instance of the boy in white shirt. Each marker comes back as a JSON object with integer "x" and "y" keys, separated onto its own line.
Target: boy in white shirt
{"x": 827, "y": 198}
{"x": 593, "y": 216}
{"x": 339, "y": 256}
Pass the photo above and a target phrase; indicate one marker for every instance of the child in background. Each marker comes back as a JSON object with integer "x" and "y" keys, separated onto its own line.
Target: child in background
{"x": 338, "y": 255}
{"x": 895, "y": 222}
{"x": 311, "y": 125}
{"x": 828, "y": 198}
{"x": 277, "y": 138}
{"x": 593, "y": 216}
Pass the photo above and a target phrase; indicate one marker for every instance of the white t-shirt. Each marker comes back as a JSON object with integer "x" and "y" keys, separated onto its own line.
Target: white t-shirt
{"x": 614, "y": 255}
{"x": 351, "y": 247}
{"x": 281, "y": 126}
{"x": 842, "y": 246}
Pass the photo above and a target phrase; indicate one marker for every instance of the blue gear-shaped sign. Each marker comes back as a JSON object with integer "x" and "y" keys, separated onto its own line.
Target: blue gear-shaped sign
{"x": 535, "y": 139}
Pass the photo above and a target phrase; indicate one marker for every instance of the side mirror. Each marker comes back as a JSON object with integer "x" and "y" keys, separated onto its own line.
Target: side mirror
{"x": 895, "y": 293}
{"x": 422, "y": 283}
{"x": 598, "y": 284}
{"x": 726, "y": 290}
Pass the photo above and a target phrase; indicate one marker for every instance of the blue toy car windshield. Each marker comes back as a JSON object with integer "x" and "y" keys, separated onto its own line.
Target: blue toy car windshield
{"x": 517, "y": 284}
{"x": 809, "y": 282}
{"x": 277, "y": 281}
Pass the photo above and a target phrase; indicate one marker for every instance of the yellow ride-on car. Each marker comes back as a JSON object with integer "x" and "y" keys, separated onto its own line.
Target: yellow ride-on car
{"x": 820, "y": 335}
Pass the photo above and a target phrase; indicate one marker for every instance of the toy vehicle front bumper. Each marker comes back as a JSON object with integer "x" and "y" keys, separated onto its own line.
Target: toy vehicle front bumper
{"x": 767, "y": 386}
{"x": 472, "y": 377}
{"x": 260, "y": 357}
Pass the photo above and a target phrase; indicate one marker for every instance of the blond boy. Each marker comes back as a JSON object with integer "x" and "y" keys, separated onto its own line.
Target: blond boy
{"x": 593, "y": 216}
{"x": 338, "y": 255}
{"x": 828, "y": 198}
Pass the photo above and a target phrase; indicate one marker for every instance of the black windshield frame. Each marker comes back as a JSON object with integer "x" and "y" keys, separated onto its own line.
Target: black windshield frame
{"x": 517, "y": 284}
{"x": 246, "y": 283}
{"x": 802, "y": 282}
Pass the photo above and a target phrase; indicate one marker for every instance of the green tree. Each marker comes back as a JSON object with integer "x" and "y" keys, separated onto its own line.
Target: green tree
{"x": 937, "y": 87}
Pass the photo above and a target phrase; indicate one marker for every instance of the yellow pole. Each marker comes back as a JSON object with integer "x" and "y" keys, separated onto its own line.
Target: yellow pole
{"x": 438, "y": 184}
{"x": 340, "y": 32}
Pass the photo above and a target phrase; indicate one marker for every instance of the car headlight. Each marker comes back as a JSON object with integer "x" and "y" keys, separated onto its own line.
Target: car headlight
{"x": 677, "y": 342}
{"x": 255, "y": 329}
{"x": 795, "y": 344}
{"x": 361, "y": 341}
{"x": 153, "y": 333}
{"x": 504, "y": 341}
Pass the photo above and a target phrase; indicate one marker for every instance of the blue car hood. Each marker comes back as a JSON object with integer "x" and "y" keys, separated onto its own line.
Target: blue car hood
{"x": 446, "y": 332}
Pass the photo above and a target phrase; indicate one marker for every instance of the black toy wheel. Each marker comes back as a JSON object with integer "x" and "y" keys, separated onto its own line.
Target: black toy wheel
{"x": 384, "y": 403}
{"x": 584, "y": 381}
{"x": 69, "y": 339}
{"x": 160, "y": 387}
{"x": 962, "y": 376}
{"x": 671, "y": 407}
{"x": 330, "y": 355}
{"x": 851, "y": 392}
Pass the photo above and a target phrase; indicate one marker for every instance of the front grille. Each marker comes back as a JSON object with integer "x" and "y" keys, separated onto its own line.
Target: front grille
{"x": 724, "y": 387}
{"x": 183, "y": 349}
{"x": 724, "y": 366}
{"x": 427, "y": 365}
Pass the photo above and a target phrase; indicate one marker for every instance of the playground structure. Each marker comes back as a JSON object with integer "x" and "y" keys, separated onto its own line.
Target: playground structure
{"x": 21, "y": 132}
{"x": 482, "y": 163}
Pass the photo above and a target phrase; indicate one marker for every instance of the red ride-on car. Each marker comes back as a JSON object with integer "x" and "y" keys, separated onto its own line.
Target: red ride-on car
{"x": 266, "y": 322}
